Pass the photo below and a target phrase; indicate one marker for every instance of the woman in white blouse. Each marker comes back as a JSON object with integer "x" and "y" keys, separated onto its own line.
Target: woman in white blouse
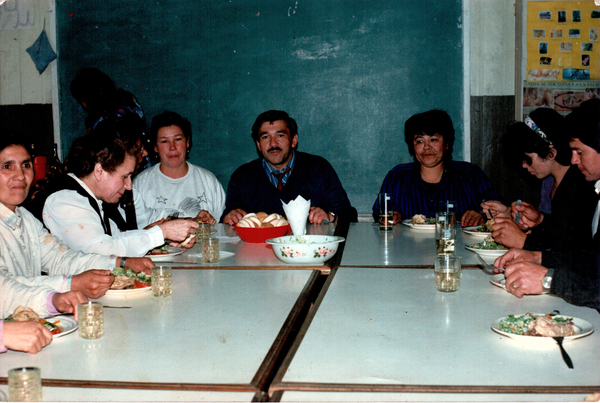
{"x": 84, "y": 214}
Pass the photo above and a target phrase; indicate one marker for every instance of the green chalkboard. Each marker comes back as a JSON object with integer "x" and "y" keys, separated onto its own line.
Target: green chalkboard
{"x": 349, "y": 71}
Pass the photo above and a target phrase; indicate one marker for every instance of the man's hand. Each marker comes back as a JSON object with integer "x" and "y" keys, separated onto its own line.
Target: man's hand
{"x": 30, "y": 337}
{"x": 471, "y": 218}
{"x": 529, "y": 217}
{"x": 506, "y": 232}
{"x": 234, "y": 216}
{"x": 92, "y": 283}
{"x": 204, "y": 216}
{"x": 139, "y": 264}
{"x": 518, "y": 255}
{"x": 316, "y": 215}
{"x": 178, "y": 229}
{"x": 67, "y": 302}
{"x": 524, "y": 278}
{"x": 496, "y": 208}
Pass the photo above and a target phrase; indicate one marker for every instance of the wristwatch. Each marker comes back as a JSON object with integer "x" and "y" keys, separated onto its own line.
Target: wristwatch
{"x": 547, "y": 280}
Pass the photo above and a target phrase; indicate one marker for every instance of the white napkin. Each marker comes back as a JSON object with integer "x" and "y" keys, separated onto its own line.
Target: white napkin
{"x": 297, "y": 214}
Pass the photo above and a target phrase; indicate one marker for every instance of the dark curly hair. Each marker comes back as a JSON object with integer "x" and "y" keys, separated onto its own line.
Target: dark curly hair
{"x": 431, "y": 122}
{"x": 108, "y": 145}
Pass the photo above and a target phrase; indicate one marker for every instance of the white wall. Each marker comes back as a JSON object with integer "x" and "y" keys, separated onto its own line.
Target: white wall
{"x": 492, "y": 47}
{"x": 21, "y": 22}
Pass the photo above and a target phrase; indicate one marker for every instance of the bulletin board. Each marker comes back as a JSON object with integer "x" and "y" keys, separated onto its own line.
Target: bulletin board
{"x": 561, "y": 54}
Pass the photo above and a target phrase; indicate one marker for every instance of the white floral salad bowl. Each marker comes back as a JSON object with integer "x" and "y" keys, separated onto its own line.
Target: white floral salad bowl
{"x": 305, "y": 249}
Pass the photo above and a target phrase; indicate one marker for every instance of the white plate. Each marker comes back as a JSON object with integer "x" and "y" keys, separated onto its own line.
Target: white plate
{"x": 419, "y": 226}
{"x": 582, "y": 328}
{"x": 172, "y": 252}
{"x": 500, "y": 281}
{"x": 486, "y": 252}
{"x": 66, "y": 324}
{"x": 471, "y": 231}
{"x": 222, "y": 254}
{"x": 131, "y": 291}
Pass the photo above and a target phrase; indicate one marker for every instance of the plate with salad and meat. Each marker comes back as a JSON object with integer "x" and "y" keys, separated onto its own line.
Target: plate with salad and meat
{"x": 541, "y": 328}
{"x": 480, "y": 230}
{"x": 128, "y": 282}
{"x": 59, "y": 326}
{"x": 163, "y": 253}
{"x": 487, "y": 248}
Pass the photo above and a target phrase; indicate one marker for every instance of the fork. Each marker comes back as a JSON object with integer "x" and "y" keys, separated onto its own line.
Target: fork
{"x": 489, "y": 266}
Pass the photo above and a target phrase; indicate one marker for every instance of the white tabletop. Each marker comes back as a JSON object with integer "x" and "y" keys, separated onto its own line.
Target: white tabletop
{"x": 367, "y": 246}
{"x": 381, "y": 329}
{"x": 236, "y": 253}
{"x": 213, "y": 333}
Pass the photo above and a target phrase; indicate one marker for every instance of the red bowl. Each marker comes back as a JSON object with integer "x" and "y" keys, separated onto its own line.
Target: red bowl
{"x": 260, "y": 235}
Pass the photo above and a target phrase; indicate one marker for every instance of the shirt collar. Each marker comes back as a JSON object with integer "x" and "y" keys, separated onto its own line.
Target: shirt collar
{"x": 270, "y": 170}
{"x": 9, "y": 217}
{"x": 84, "y": 186}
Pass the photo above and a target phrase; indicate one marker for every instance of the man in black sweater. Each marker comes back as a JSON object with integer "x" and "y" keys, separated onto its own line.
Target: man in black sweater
{"x": 574, "y": 276}
{"x": 282, "y": 174}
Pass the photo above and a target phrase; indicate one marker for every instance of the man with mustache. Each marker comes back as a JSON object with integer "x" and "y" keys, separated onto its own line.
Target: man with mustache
{"x": 281, "y": 174}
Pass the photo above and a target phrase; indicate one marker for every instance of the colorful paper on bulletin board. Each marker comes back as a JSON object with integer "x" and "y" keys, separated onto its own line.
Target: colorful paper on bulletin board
{"x": 562, "y": 41}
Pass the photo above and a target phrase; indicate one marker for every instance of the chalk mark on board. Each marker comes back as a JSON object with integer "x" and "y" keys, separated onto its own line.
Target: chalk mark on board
{"x": 21, "y": 10}
{"x": 292, "y": 10}
{"x": 323, "y": 51}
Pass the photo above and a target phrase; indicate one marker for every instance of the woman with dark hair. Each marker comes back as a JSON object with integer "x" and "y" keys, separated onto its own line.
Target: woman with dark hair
{"x": 540, "y": 144}
{"x": 36, "y": 269}
{"x": 84, "y": 214}
{"x": 175, "y": 183}
{"x": 420, "y": 186}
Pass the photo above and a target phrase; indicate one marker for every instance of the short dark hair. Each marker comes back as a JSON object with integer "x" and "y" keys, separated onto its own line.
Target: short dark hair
{"x": 108, "y": 145}
{"x": 166, "y": 119}
{"x": 272, "y": 116}
{"x": 13, "y": 139}
{"x": 584, "y": 124}
{"x": 520, "y": 138}
{"x": 93, "y": 87}
{"x": 431, "y": 122}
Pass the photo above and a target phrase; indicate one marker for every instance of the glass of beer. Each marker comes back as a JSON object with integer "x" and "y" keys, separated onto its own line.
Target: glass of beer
{"x": 386, "y": 213}
{"x": 447, "y": 272}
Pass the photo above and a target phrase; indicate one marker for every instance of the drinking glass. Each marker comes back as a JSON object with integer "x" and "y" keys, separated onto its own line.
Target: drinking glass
{"x": 90, "y": 319}
{"x": 445, "y": 232}
{"x": 24, "y": 385}
{"x": 447, "y": 269}
{"x": 210, "y": 250}
{"x": 203, "y": 232}
{"x": 162, "y": 281}
{"x": 386, "y": 213}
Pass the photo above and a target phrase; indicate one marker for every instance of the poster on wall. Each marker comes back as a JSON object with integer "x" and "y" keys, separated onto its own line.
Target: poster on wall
{"x": 563, "y": 54}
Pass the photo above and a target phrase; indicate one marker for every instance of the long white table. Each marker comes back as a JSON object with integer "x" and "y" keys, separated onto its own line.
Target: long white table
{"x": 389, "y": 330}
{"x": 237, "y": 254}
{"x": 367, "y": 246}
{"x": 218, "y": 332}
